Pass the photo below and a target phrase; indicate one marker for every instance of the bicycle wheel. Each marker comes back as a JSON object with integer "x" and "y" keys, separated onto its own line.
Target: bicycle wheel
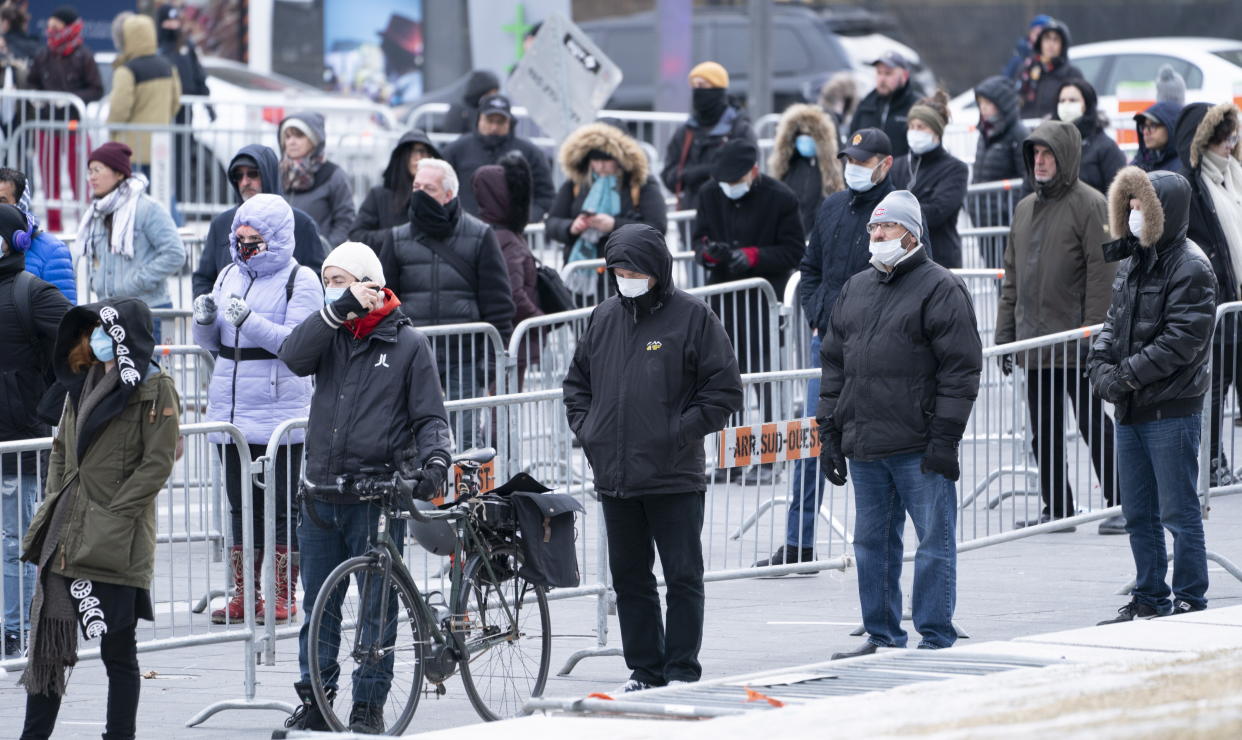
{"x": 503, "y": 622}
{"x": 384, "y": 638}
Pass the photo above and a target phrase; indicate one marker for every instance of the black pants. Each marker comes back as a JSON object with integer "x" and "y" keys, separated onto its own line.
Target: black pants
{"x": 658, "y": 650}
{"x": 287, "y": 467}
{"x": 1046, "y": 390}
{"x": 119, "y": 651}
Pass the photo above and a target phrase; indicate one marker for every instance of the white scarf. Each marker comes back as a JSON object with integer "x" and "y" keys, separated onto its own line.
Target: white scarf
{"x": 122, "y": 203}
{"x": 1223, "y": 177}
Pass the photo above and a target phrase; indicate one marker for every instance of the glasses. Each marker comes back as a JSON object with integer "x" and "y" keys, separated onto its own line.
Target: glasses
{"x": 243, "y": 173}
{"x": 1151, "y": 126}
{"x": 882, "y": 226}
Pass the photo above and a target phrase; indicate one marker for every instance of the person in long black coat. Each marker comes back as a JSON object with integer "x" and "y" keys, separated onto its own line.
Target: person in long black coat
{"x": 387, "y": 204}
{"x": 804, "y": 157}
{"x": 937, "y": 178}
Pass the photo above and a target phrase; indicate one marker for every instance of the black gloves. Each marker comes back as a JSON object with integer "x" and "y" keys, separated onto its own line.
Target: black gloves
{"x": 738, "y": 261}
{"x": 348, "y": 304}
{"x": 1006, "y": 364}
{"x": 941, "y": 454}
{"x": 435, "y": 472}
{"x": 1112, "y": 383}
{"x": 831, "y": 459}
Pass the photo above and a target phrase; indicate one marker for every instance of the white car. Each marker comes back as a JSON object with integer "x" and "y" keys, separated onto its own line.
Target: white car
{"x": 866, "y": 48}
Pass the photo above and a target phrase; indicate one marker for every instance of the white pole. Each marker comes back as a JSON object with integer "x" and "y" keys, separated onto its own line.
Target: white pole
{"x": 260, "y": 35}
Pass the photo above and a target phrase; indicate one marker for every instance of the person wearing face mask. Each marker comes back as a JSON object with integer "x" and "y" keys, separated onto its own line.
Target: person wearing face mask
{"x": 747, "y": 227}
{"x": 998, "y": 156}
{"x": 607, "y": 185}
{"x": 254, "y": 305}
{"x": 492, "y": 138}
{"x": 1101, "y": 157}
{"x": 1045, "y": 70}
{"x": 377, "y": 406}
{"x": 310, "y": 182}
{"x": 937, "y": 178}
{"x": 715, "y": 119}
{"x": 93, "y": 537}
{"x": 804, "y": 157}
{"x": 887, "y": 105}
{"x": 1207, "y": 139}
{"x": 388, "y": 204}
{"x": 652, "y": 375}
{"x": 1056, "y": 279}
{"x": 897, "y": 389}
{"x": 1151, "y": 362}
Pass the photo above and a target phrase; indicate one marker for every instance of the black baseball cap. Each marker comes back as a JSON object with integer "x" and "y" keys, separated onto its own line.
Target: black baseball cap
{"x": 892, "y": 59}
{"x": 865, "y": 143}
{"x": 734, "y": 160}
{"x": 495, "y": 103}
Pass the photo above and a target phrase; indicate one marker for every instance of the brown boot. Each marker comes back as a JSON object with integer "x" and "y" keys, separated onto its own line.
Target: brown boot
{"x": 286, "y": 599}
{"x": 234, "y": 611}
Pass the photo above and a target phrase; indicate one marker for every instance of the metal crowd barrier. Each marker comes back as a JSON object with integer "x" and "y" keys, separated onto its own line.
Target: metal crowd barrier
{"x": 984, "y": 221}
{"x": 44, "y": 135}
{"x": 583, "y": 277}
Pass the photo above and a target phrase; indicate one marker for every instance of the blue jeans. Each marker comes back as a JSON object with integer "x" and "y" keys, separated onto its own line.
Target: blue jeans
{"x": 808, "y": 484}
{"x": 884, "y": 491}
{"x": 1158, "y": 462}
{"x": 350, "y": 526}
{"x": 18, "y": 497}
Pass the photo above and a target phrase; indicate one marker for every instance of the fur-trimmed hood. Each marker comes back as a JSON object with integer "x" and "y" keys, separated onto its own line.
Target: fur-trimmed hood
{"x": 1194, "y": 130}
{"x": 610, "y": 140}
{"x": 807, "y": 119}
{"x": 1164, "y": 198}
{"x": 840, "y": 89}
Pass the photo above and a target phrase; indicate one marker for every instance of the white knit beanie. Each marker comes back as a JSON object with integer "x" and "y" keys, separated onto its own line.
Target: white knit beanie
{"x": 358, "y": 260}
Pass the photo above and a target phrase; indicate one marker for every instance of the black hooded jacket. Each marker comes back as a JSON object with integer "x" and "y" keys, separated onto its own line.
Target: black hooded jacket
{"x": 1101, "y": 157}
{"x": 889, "y": 113}
{"x": 1203, "y": 226}
{"x": 651, "y": 377}
{"x": 998, "y": 155}
{"x": 463, "y": 115}
{"x": 901, "y": 360}
{"x": 691, "y": 152}
{"x": 1150, "y": 160}
{"x": 386, "y": 204}
{"x": 1040, "y": 93}
{"x": 308, "y": 247}
{"x": 1160, "y": 321}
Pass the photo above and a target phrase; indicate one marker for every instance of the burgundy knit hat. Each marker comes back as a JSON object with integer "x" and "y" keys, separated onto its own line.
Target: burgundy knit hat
{"x": 114, "y": 155}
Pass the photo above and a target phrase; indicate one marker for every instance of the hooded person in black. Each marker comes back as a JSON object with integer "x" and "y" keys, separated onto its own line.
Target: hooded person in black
{"x": 1045, "y": 70}
{"x": 998, "y": 156}
{"x": 387, "y": 204}
{"x": 252, "y": 160}
{"x": 461, "y": 115}
{"x": 652, "y": 376}
{"x": 1101, "y": 157}
{"x": 1157, "y": 126}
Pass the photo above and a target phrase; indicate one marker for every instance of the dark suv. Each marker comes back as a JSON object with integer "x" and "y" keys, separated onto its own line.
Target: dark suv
{"x": 804, "y": 52}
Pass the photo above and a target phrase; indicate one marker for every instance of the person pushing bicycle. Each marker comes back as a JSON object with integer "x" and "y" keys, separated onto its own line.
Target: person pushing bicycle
{"x": 377, "y": 409}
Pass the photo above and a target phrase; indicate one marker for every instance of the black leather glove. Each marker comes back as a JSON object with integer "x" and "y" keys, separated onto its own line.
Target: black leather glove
{"x": 435, "y": 472}
{"x": 348, "y": 304}
{"x": 1114, "y": 384}
{"x": 941, "y": 458}
{"x": 1006, "y": 364}
{"x": 831, "y": 459}
{"x": 720, "y": 252}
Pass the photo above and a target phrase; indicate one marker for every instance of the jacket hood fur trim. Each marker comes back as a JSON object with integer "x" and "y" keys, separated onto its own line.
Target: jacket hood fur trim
{"x": 1132, "y": 182}
{"x": 812, "y": 120}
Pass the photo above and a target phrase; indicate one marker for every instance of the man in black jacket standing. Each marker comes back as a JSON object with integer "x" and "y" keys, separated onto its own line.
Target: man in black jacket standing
{"x": 901, "y": 360}
{"x": 1151, "y": 361}
{"x": 888, "y": 105}
{"x": 748, "y": 227}
{"x": 377, "y": 409}
{"x": 651, "y": 377}
{"x": 491, "y": 139}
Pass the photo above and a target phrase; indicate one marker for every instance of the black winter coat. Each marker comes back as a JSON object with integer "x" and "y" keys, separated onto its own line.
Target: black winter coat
{"x": 1204, "y": 227}
{"x": 766, "y": 217}
{"x": 804, "y": 180}
{"x": 472, "y": 151}
{"x": 837, "y": 249}
{"x": 386, "y": 205}
{"x": 938, "y": 180}
{"x": 377, "y": 403}
{"x": 1150, "y": 160}
{"x": 433, "y": 291}
{"x": 1101, "y": 157}
{"x": 998, "y": 154}
{"x": 651, "y": 377}
{"x": 685, "y": 178}
{"x": 76, "y": 73}
{"x": 889, "y": 114}
{"x": 902, "y": 350}
{"x": 649, "y": 210}
{"x": 1160, "y": 321}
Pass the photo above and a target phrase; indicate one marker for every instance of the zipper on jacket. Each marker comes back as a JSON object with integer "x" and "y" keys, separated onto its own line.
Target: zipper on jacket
{"x": 237, "y": 355}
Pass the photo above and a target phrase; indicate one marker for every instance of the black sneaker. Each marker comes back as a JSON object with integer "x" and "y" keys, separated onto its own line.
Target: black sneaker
{"x": 633, "y": 685}
{"x": 1181, "y": 606}
{"x": 1130, "y": 612}
{"x": 786, "y": 554}
{"x": 367, "y": 719}
{"x": 307, "y": 716}
{"x": 12, "y": 645}
{"x": 1219, "y": 474}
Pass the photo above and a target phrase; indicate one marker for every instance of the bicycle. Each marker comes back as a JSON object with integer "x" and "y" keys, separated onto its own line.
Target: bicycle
{"x": 496, "y": 618}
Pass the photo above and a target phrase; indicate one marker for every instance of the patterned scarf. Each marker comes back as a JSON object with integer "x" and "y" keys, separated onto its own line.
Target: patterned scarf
{"x": 122, "y": 202}
{"x": 1032, "y": 70}
{"x": 298, "y": 175}
{"x": 66, "y": 40}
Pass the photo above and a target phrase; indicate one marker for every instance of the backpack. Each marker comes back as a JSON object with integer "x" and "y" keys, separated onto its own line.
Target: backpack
{"x": 554, "y": 295}
{"x": 23, "y": 299}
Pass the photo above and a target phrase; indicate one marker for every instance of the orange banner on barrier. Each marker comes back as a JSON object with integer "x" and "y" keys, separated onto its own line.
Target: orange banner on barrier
{"x": 797, "y": 439}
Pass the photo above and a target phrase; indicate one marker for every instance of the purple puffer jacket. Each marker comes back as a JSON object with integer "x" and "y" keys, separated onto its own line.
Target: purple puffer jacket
{"x": 258, "y": 394}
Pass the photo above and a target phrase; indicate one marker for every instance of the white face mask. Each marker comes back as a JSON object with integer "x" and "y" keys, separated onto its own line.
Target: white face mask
{"x": 858, "y": 178}
{"x": 1136, "y": 222}
{"x": 632, "y": 287}
{"x": 1069, "y": 112}
{"x": 735, "y": 190}
{"x": 921, "y": 142}
{"x": 330, "y": 295}
{"x": 887, "y": 252}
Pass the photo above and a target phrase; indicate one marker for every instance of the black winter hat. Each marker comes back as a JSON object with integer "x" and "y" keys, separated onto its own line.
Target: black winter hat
{"x": 66, "y": 14}
{"x": 12, "y": 223}
{"x": 734, "y": 160}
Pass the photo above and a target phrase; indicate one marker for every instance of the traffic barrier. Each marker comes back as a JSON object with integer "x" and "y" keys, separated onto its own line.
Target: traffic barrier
{"x": 984, "y": 223}
{"x": 43, "y": 138}
{"x": 583, "y": 277}
{"x": 191, "y": 368}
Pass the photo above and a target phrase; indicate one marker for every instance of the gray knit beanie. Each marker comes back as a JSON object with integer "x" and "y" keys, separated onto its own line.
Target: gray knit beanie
{"x": 1170, "y": 87}
{"x": 900, "y": 207}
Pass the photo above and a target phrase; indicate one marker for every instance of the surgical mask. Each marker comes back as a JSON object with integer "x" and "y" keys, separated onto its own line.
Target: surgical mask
{"x": 331, "y": 295}
{"x": 735, "y": 190}
{"x": 921, "y": 142}
{"x": 886, "y": 252}
{"x": 1136, "y": 222}
{"x": 101, "y": 345}
{"x": 632, "y": 287}
{"x": 805, "y": 144}
{"x": 1069, "y": 112}
{"x": 858, "y": 178}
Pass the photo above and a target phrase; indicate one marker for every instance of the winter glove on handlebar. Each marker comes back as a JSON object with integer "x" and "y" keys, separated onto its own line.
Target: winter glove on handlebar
{"x": 435, "y": 472}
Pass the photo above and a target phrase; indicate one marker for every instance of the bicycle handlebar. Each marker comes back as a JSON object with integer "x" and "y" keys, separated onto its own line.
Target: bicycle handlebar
{"x": 394, "y": 487}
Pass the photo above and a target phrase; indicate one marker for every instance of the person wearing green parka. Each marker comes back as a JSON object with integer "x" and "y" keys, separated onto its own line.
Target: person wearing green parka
{"x": 93, "y": 538}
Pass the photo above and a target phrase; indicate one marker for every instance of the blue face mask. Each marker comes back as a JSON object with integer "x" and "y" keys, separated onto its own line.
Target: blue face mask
{"x": 735, "y": 190}
{"x": 101, "y": 345}
{"x": 330, "y": 295}
{"x": 805, "y": 145}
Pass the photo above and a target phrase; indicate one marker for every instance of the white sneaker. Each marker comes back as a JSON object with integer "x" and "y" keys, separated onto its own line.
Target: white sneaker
{"x": 633, "y": 685}
{"x": 678, "y": 683}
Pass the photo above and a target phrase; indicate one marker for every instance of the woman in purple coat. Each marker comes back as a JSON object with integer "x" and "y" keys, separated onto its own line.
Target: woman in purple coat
{"x": 255, "y": 303}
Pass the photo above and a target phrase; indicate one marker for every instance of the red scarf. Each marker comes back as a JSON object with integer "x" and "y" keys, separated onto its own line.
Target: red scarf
{"x": 66, "y": 40}
{"x": 366, "y": 324}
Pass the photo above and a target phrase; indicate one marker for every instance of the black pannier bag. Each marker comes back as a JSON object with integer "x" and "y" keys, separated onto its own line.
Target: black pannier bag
{"x": 548, "y": 531}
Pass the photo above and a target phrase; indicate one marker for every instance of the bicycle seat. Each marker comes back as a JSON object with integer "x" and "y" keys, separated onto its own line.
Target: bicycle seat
{"x": 476, "y": 455}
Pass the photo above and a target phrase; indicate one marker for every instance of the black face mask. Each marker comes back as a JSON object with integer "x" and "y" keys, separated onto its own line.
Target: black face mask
{"x": 709, "y": 104}
{"x": 430, "y": 216}
{"x": 491, "y": 141}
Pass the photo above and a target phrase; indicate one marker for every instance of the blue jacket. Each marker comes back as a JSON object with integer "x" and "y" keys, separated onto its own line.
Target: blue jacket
{"x": 48, "y": 259}
{"x": 158, "y": 254}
